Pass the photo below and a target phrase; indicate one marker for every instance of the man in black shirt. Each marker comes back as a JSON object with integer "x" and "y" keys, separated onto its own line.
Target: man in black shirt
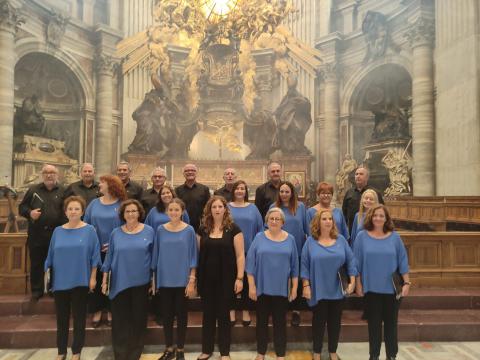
{"x": 42, "y": 206}
{"x": 266, "y": 194}
{"x": 150, "y": 196}
{"x": 87, "y": 187}
{"x": 229, "y": 176}
{"x": 193, "y": 194}
{"x": 133, "y": 189}
{"x": 351, "y": 201}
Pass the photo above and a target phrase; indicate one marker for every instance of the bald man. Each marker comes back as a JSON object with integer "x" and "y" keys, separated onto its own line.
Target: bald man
{"x": 86, "y": 187}
{"x": 193, "y": 194}
{"x": 229, "y": 176}
{"x": 42, "y": 206}
{"x": 266, "y": 193}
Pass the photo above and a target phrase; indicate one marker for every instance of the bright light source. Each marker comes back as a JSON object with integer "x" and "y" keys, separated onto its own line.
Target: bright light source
{"x": 219, "y": 7}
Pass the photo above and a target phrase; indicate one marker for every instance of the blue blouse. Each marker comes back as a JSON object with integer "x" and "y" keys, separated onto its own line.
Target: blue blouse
{"x": 129, "y": 258}
{"x": 272, "y": 264}
{"x": 249, "y": 220}
{"x": 72, "y": 255}
{"x": 378, "y": 259}
{"x": 296, "y": 225}
{"x": 174, "y": 255}
{"x": 320, "y": 265}
{"x": 104, "y": 218}
{"x": 337, "y": 217}
{"x": 156, "y": 218}
{"x": 356, "y": 228}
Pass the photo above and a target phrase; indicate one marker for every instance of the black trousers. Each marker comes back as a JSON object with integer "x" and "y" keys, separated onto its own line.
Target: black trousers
{"x": 243, "y": 302}
{"x": 38, "y": 254}
{"x": 129, "y": 322}
{"x": 96, "y": 300}
{"x": 215, "y": 308}
{"x": 329, "y": 313}
{"x": 173, "y": 303}
{"x": 74, "y": 300}
{"x": 382, "y": 308}
{"x": 277, "y": 306}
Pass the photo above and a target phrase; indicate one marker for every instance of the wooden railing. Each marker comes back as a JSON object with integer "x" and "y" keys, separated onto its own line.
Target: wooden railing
{"x": 13, "y": 264}
{"x": 436, "y": 212}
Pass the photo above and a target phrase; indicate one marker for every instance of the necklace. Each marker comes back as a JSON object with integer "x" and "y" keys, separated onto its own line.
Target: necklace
{"x": 131, "y": 230}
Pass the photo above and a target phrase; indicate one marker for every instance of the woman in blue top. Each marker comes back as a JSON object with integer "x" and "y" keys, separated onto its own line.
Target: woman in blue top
{"x": 369, "y": 199}
{"x": 272, "y": 270}
{"x": 296, "y": 224}
{"x": 174, "y": 262}
{"x": 380, "y": 252}
{"x": 102, "y": 213}
{"x": 73, "y": 257}
{"x": 157, "y": 215}
{"x": 126, "y": 280}
{"x": 323, "y": 255}
{"x": 325, "y": 196}
{"x": 249, "y": 220}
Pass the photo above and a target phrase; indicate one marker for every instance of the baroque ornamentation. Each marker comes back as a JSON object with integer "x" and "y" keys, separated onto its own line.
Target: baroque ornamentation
{"x": 105, "y": 64}
{"x": 56, "y": 28}
{"x": 377, "y": 35}
{"x": 422, "y": 32}
{"x": 10, "y": 18}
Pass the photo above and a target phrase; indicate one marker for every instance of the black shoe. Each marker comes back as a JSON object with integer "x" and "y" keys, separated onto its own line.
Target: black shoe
{"x": 391, "y": 357}
{"x": 246, "y": 323}
{"x": 36, "y": 296}
{"x": 295, "y": 319}
{"x": 373, "y": 358}
{"x": 180, "y": 355}
{"x": 158, "y": 320}
{"x": 167, "y": 355}
{"x": 233, "y": 322}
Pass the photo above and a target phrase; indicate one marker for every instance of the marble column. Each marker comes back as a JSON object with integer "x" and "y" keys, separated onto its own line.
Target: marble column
{"x": 104, "y": 162}
{"x": 421, "y": 37}
{"x": 9, "y": 22}
{"x": 331, "y": 111}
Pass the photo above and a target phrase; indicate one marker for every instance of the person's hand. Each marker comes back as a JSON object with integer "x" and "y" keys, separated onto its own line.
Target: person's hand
{"x": 307, "y": 292}
{"x": 405, "y": 290}
{"x": 104, "y": 288}
{"x": 92, "y": 284}
{"x": 293, "y": 294}
{"x": 35, "y": 214}
{"x": 104, "y": 248}
{"x": 190, "y": 290}
{"x": 359, "y": 289}
{"x": 252, "y": 293}
{"x": 238, "y": 287}
{"x": 350, "y": 288}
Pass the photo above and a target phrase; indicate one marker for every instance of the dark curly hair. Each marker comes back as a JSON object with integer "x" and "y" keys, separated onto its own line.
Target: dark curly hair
{"x": 160, "y": 205}
{"x": 207, "y": 218}
{"x": 124, "y": 204}
{"x": 115, "y": 186}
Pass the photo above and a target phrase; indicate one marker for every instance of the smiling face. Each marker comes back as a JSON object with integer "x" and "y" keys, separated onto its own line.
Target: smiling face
{"x": 325, "y": 198}
{"x": 190, "y": 172}
{"x": 379, "y": 219}
{"x": 87, "y": 173}
{"x": 74, "y": 211}
{"x": 240, "y": 192}
{"x": 131, "y": 214}
{"x": 158, "y": 179}
{"x": 123, "y": 172}
{"x": 174, "y": 211}
{"x": 368, "y": 201}
{"x": 49, "y": 175}
{"x": 275, "y": 221}
{"x": 166, "y": 195}
{"x": 285, "y": 194}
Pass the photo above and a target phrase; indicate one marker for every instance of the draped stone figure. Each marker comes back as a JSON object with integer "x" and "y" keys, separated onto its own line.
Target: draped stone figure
{"x": 294, "y": 118}
{"x": 259, "y": 134}
{"x": 29, "y": 119}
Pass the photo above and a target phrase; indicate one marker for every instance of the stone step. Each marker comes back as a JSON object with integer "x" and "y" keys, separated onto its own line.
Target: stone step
{"x": 419, "y": 298}
{"x": 38, "y": 331}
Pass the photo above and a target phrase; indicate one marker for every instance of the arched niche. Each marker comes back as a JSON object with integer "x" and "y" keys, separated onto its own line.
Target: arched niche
{"x": 60, "y": 96}
{"x": 379, "y": 118}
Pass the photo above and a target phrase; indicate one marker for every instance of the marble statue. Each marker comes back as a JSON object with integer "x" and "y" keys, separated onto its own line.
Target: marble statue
{"x": 391, "y": 122}
{"x": 398, "y": 166}
{"x": 29, "y": 119}
{"x": 259, "y": 134}
{"x": 293, "y": 117}
{"x": 343, "y": 174}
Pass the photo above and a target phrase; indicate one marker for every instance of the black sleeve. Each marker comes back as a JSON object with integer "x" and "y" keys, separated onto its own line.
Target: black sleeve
{"x": 345, "y": 206}
{"x": 380, "y": 198}
{"x": 235, "y": 230}
{"x": 260, "y": 200}
{"x": 68, "y": 192}
{"x": 24, "y": 207}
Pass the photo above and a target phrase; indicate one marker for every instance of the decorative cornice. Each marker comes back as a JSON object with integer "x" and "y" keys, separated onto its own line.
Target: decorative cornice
{"x": 421, "y": 32}
{"x": 10, "y": 17}
{"x": 105, "y": 64}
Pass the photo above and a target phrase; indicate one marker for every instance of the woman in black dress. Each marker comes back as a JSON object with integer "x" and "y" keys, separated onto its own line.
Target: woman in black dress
{"x": 220, "y": 273}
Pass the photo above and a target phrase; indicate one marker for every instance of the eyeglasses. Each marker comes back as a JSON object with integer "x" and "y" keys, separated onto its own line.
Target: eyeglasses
{"x": 275, "y": 219}
{"x": 325, "y": 194}
{"x": 158, "y": 176}
{"x": 49, "y": 173}
{"x": 131, "y": 211}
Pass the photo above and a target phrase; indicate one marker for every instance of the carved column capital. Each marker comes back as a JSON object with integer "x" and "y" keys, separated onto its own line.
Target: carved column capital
{"x": 105, "y": 64}
{"x": 10, "y": 17}
{"x": 330, "y": 72}
{"x": 421, "y": 32}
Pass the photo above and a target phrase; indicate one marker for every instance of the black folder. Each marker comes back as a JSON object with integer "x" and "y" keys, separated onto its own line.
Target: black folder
{"x": 36, "y": 202}
{"x": 398, "y": 282}
{"x": 344, "y": 279}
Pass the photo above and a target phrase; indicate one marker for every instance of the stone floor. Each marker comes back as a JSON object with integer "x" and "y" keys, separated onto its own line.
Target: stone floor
{"x": 347, "y": 351}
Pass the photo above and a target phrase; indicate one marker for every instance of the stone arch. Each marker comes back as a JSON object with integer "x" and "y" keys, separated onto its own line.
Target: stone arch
{"x": 31, "y": 45}
{"x": 352, "y": 84}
